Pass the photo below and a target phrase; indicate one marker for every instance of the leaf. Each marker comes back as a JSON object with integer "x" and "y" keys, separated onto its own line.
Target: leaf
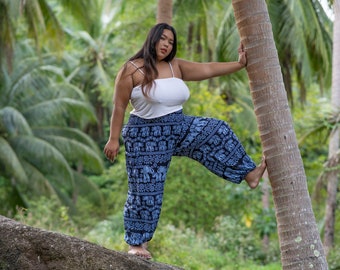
{"x": 56, "y": 110}
{"x": 46, "y": 158}
{"x": 67, "y": 132}
{"x": 13, "y": 123}
{"x": 86, "y": 188}
{"x": 10, "y": 165}
{"x": 76, "y": 153}
{"x": 39, "y": 183}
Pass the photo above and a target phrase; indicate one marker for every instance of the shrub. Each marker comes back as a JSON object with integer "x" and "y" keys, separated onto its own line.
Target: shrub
{"x": 232, "y": 237}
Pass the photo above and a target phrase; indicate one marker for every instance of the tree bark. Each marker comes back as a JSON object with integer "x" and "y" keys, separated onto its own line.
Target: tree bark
{"x": 26, "y": 248}
{"x": 164, "y": 11}
{"x": 300, "y": 242}
{"x": 333, "y": 160}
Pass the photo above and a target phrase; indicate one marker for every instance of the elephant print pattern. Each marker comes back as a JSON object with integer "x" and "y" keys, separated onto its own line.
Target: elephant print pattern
{"x": 150, "y": 145}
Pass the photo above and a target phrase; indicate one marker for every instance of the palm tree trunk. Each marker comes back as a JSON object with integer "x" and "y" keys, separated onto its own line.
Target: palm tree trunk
{"x": 300, "y": 242}
{"x": 164, "y": 11}
{"x": 332, "y": 175}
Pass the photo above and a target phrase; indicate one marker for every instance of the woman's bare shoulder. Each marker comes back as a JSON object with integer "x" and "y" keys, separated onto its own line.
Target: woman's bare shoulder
{"x": 136, "y": 63}
{"x": 176, "y": 64}
{"x": 130, "y": 67}
{"x": 181, "y": 65}
{"x": 132, "y": 71}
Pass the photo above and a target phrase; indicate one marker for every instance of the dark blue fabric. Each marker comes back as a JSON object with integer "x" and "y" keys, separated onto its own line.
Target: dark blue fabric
{"x": 150, "y": 145}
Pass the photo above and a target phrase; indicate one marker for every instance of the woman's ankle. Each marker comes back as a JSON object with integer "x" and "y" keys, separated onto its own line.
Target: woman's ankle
{"x": 140, "y": 251}
{"x": 253, "y": 177}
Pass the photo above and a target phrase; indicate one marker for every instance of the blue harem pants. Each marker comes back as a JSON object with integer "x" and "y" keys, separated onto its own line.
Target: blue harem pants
{"x": 150, "y": 145}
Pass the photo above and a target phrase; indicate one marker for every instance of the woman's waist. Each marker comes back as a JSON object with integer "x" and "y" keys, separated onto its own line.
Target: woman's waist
{"x": 176, "y": 116}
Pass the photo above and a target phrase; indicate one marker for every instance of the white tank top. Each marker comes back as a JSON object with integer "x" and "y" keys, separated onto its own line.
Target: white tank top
{"x": 166, "y": 96}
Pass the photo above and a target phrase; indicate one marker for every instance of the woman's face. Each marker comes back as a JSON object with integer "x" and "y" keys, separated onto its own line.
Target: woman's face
{"x": 164, "y": 45}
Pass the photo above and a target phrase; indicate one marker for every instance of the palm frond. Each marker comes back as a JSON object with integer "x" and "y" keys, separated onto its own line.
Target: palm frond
{"x": 87, "y": 189}
{"x": 228, "y": 38}
{"x": 10, "y": 164}
{"x": 76, "y": 153}
{"x": 45, "y": 157}
{"x": 322, "y": 126}
{"x": 67, "y": 132}
{"x": 86, "y": 38}
{"x": 42, "y": 23}
{"x": 64, "y": 196}
{"x": 28, "y": 81}
{"x": 65, "y": 89}
{"x": 247, "y": 117}
{"x": 39, "y": 185}
{"x": 302, "y": 38}
{"x": 91, "y": 8}
{"x": 12, "y": 122}
{"x": 60, "y": 111}
{"x": 317, "y": 129}
{"x": 37, "y": 80}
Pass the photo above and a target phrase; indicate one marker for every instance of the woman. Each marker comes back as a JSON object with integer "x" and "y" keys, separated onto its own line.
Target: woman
{"x": 153, "y": 81}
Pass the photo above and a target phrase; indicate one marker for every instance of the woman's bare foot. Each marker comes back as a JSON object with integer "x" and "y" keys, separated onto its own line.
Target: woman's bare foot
{"x": 140, "y": 251}
{"x": 253, "y": 177}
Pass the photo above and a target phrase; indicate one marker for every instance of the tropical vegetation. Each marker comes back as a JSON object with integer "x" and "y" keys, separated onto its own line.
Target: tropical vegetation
{"x": 58, "y": 63}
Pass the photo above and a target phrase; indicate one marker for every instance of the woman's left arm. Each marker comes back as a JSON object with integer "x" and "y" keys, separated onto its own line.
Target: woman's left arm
{"x": 194, "y": 71}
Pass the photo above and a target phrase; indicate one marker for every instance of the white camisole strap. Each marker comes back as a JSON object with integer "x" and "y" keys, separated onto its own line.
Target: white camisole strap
{"x": 138, "y": 68}
{"x": 172, "y": 71}
{"x": 141, "y": 71}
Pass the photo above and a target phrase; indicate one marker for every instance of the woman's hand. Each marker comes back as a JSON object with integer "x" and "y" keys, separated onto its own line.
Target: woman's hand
{"x": 111, "y": 149}
{"x": 242, "y": 55}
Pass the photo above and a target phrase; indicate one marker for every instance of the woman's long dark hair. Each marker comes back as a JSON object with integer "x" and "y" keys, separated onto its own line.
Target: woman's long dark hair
{"x": 148, "y": 53}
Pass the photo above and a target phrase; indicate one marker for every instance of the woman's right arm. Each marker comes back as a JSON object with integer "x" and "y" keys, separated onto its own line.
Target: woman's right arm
{"x": 123, "y": 88}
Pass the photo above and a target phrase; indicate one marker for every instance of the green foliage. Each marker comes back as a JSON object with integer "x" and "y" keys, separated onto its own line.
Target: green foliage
{"x": 312, "y": 132}
{"x": 108, "y": 233}
{"x": 40, "y": 24}
{"x": 206, "y": 223}
{"x": 239, "y": 115}
{"x": 303, "y": 40}
{"x": 265, "y": 223}
{"x": 41, "y": 142}
{"x": 198, "y": 105}
{"x": 10, "y": 197}
{"x": 185, "y": 247}
{"x": 194, "y": 254}
{"x": 231, "y": 236}
{"x": 49, "y": 214}
{"x": 113, "y": 186}
{"x": 192, "y": 194}
{"x": 334, "y": 259}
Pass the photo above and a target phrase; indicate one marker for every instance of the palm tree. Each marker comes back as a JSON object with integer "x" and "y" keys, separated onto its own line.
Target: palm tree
{"x": 301, "y": 63}
{"x": 44, "y": 26}
{"x": 164, "y": 11}
{"x": 300, "y": 242}
{"x": 215, "y": 37}
{"x": 41, "y": 25}
{"x": 42, "y": 147}
{"x": 303, "y": 36}
{"x": 94, "y": 55}
{"x": 332, "y": 173}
